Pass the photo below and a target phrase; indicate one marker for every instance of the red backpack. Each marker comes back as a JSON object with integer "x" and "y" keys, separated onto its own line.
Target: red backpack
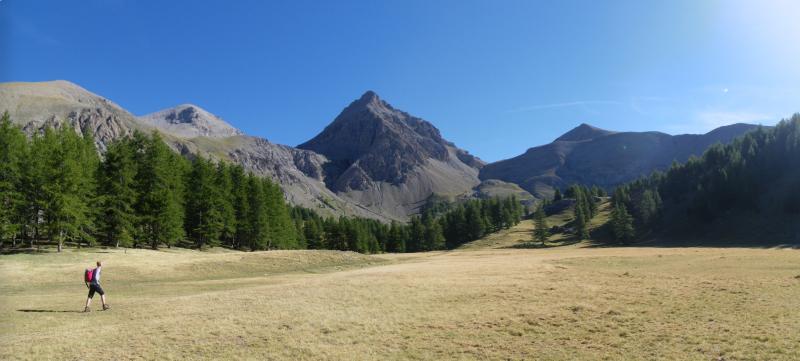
{"x": 88, "y": 275}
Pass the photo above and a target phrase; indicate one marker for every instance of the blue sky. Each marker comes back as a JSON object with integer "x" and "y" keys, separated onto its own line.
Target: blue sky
{"x": 497, "y": 77}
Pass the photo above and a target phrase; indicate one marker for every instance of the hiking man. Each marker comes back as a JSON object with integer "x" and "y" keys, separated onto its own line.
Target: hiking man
{"x": 94, "y": 286}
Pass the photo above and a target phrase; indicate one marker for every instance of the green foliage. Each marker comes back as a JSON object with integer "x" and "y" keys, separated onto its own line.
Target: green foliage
{"x": 160, "y": 185}
{"x": 621, "y": 223}
{"x": 13, "y": 154}
{"x": 755, "y": 175}
{"x": 557, "y": 196}
{"x": 585, "y": 209}
{"x": 541, "y": 232}
{"x": 117, "y": 195}
{"x": 204, "y": 205}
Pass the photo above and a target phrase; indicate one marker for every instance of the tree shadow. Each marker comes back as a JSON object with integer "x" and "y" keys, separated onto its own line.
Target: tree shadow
{"x": 49, "y": 311}
{"x": 536, "y": 245}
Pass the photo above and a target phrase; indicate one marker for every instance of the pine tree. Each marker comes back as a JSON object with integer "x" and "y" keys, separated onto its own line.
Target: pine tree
{"x": 313, "y": 233}
{"x": 557, "y": 196}
{"x": 621, "y": 223}
{"x": 257, "y": 231}
{"x": 13, "y": 152}
{"x": 204, "y": 220}
{"x": 241, "y": 207}
{"x": 541, "y": 232}
{"x": 581, "y": 227}
{"x": 433, "y": 237}
{"x": 474, "y": 222}
{"x": 117, "y": 195}
{"x": 66, "y": 185}
{"x": 281, "y": 228}
{"x": 160, "y": 212}
{"x": 223, "y": 181}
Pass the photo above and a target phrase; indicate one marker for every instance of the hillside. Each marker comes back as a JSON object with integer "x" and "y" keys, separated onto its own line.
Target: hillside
{"x": 746, "y": 192}
{"x": 592, "y": 156}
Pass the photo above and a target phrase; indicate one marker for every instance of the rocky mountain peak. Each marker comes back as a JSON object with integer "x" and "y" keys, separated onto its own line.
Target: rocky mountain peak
{"x": 583, "y": 132}
{"x": 383, "y": 143}
{"x": 189, "y": 121}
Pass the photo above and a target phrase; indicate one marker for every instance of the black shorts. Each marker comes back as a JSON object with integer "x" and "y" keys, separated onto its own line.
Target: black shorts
{"x": 94, "y": 287}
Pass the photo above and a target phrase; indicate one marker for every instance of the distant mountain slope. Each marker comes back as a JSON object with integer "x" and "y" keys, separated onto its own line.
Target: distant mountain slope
{"x": 35, "y": 105}
{"x": 189, "y": 121}
{"x": 594, "y": 156}
{"x": 390, "y": 161}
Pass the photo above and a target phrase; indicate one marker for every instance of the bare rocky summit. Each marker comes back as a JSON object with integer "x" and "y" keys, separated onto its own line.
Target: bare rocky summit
{"x": 190, "y": 121}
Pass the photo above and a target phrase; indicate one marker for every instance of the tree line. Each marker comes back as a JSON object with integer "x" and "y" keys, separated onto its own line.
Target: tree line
{"x": 435, "y": 229}
{"x": 55, "y": 187}
{"x": 756, "y": 174}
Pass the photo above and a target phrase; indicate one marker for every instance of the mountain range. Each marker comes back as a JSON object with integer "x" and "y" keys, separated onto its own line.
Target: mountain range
{"x": 373, "y": 160}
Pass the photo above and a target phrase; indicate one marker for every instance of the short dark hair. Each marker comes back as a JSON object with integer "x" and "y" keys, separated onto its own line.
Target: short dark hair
{"x": 99, "y": 264}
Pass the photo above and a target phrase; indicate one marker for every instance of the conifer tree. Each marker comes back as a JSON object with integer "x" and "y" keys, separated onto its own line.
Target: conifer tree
{"x": 474, "y": 222}
{"x": 257, "y": 224}
{"x": 204, "y": 204}
{"x": 581, "y": 228}
{"x": 433, "y": 237}
{"x": 223, "y": 181}
{"x": 117, "y": 195}
{"x": 281, "y": 228}
{"x": 160, "y": 212}
{"x": 541, "y": 232}
{"x": 621, "y": 223}
{"x": 13, "y": 152}
{"x": 557, "y": 196}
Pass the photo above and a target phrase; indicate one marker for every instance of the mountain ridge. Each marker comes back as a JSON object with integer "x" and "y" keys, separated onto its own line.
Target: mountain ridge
{"x": 603, "y": 158}
{"x": 372, "y": 160}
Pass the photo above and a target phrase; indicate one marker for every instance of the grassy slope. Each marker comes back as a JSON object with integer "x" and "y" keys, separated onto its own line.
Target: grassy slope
{"x": 477, "y": 303}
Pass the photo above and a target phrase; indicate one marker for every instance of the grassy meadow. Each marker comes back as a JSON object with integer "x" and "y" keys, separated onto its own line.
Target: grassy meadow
{"x": 488, "y": 300}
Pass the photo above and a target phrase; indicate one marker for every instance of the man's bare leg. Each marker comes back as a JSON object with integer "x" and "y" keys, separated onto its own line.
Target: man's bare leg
{"x": 88, "y": 302}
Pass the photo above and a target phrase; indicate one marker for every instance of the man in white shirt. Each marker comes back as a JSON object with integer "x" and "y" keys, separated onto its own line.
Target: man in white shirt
{"x": 94, "y": 286}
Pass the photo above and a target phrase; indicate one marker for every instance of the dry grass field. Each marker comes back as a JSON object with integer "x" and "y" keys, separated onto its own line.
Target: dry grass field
{"x": 481, "y": 302}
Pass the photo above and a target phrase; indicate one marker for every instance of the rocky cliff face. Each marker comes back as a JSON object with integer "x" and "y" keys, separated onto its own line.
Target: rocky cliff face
{"x": 389, "y": 160}
{"x": 593, "y": 156}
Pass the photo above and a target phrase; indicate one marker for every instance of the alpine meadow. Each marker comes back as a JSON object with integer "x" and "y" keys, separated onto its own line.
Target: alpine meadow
{"x": 448, "y": 180}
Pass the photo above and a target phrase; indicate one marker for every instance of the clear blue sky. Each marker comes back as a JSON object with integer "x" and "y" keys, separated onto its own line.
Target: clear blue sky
{"x": 497, "y": 77}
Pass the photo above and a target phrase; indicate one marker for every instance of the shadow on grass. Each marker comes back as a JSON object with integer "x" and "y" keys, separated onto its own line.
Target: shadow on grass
{"x": 49, "y": 311}
{"x": 537, "y": 245}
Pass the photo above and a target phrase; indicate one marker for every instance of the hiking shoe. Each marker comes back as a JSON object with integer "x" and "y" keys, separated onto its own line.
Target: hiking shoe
{"x": 105, "y": 307}
{"x": 87, "y": 309}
